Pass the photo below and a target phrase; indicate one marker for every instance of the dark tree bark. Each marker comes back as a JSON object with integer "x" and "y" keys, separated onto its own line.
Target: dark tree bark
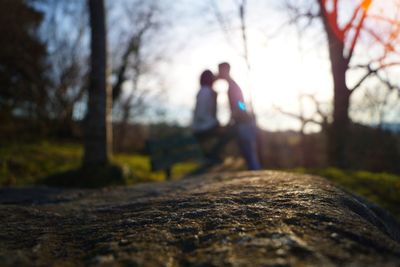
{"x": 338, "y": 133}
{"x": 98, "y": 128}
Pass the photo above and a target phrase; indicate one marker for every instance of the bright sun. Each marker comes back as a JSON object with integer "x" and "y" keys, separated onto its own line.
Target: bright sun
{"x": 283, "y": 67}
{"x": 279, "y": 74}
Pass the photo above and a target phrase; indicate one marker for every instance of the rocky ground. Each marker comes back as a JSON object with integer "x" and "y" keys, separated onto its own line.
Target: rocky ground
{"x": 231, "y": 219}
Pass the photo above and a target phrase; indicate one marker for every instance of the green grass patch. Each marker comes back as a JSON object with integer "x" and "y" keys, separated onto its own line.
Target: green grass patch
{"x": 137, "y": 168}
{"x": 32, "y": 164}
{"x": 381, "y": 188}
{"x": 28, "y": 164}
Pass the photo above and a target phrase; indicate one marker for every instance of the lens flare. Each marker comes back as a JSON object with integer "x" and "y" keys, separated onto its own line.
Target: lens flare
{"x": 366, "y": 4}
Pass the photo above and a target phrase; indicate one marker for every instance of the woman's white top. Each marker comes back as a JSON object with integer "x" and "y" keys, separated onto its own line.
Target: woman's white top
{"x": 205, "y": 112}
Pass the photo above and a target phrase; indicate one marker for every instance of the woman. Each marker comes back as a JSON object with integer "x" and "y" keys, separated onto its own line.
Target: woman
{"x": 205, "y": 113}
{"x": 205, "y": 123}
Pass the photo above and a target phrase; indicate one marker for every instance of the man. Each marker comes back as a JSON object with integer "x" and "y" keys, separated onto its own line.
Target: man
{"x": 243, "y": 122}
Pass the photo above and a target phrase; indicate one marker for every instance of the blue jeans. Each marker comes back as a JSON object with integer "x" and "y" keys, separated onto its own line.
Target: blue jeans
{"x": 246, "y": 133}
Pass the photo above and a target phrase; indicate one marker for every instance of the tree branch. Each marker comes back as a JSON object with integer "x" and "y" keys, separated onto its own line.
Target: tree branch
{"x": 302, "y": 118}
{"x": 361, "y": 81}
{"x": 349, "y": 25}
{"x": 133, "y": 47}
{"x": 371, "y": 71}
{"x": 330, "y": 19}
{"x": 388, "y": 83}
{"x": 365, "y": 7}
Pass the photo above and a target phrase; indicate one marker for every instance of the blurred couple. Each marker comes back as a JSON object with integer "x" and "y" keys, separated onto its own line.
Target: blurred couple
{"x": 241, "y": 127}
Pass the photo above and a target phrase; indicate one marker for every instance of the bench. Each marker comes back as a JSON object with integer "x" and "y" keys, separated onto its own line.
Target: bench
{"x": 166, "y": 152}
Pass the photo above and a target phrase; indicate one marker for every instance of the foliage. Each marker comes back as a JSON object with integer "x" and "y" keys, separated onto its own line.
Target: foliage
{"x": 21, "y": 61}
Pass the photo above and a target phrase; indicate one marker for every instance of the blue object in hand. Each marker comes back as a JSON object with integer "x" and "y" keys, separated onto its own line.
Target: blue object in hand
{"x": 241, "y": 105}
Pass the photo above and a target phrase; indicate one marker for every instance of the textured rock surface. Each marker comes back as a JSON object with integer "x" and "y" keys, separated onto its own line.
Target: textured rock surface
{"x": 241, "y": 219}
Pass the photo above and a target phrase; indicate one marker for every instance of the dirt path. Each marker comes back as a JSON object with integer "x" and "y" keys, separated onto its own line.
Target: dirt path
{"x": 240, "y": 219}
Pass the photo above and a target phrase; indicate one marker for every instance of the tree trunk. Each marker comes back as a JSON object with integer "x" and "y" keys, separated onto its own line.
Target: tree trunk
{"x": 340, "y": 129}
{"x": 339, "y": 132}
{"x": 98, "y": 129}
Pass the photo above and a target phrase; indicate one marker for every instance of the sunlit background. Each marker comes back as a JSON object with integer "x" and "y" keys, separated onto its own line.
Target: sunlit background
{"x": 283, "y": 66}
{"x": 286, "y": 61}
{"x": 287, "y": 58}
{"x": 157, "y": 49}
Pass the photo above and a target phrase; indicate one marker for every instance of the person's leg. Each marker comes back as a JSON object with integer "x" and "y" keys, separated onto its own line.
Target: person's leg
{"x": 202, "y": 138}
{"x": 205, "y": 140}
{"x": 247, "y": 140}
{"x": 224, "y": 136}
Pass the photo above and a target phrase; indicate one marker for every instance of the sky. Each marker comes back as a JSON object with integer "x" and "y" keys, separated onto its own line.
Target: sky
{"x": 284, "y": 65}
{"x": 279, "y": 73}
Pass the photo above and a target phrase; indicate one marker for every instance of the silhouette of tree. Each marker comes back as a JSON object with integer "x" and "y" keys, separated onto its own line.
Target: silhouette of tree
{"x": 320, "y": 116}
{"x": 344, "y": 35}
{"x": 135, "y": 28}
{"x": 377, "y": 105}
{"x": 22, "y": 62}
{"x": 64, "y": 30}
{"x": 98, "y": 120}
{"x": 140, "y": 50}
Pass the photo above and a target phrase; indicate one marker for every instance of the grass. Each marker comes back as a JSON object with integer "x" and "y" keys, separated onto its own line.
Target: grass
{"x": 28, "y": 164}
{"x": 380, "y": 188}
{"x": 137, "y": 168}
{"x": 31, "y": 164}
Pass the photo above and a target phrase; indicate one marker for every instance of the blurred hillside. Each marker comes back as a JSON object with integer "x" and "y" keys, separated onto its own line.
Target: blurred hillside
{"x": 370, "y": 148}
{"x": 26, "y": 163}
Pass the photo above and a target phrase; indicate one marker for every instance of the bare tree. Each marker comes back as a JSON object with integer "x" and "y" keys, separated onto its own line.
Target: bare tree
{"x": 241, "y": 7}
{"x": 135, "y": 61}
{"x": 318, "y": 115}
{"x": 344, "y": 37}
{"x": 67, "y": 58}
{"x": 376, "y": 105}
{"x": 98, "y": 119}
